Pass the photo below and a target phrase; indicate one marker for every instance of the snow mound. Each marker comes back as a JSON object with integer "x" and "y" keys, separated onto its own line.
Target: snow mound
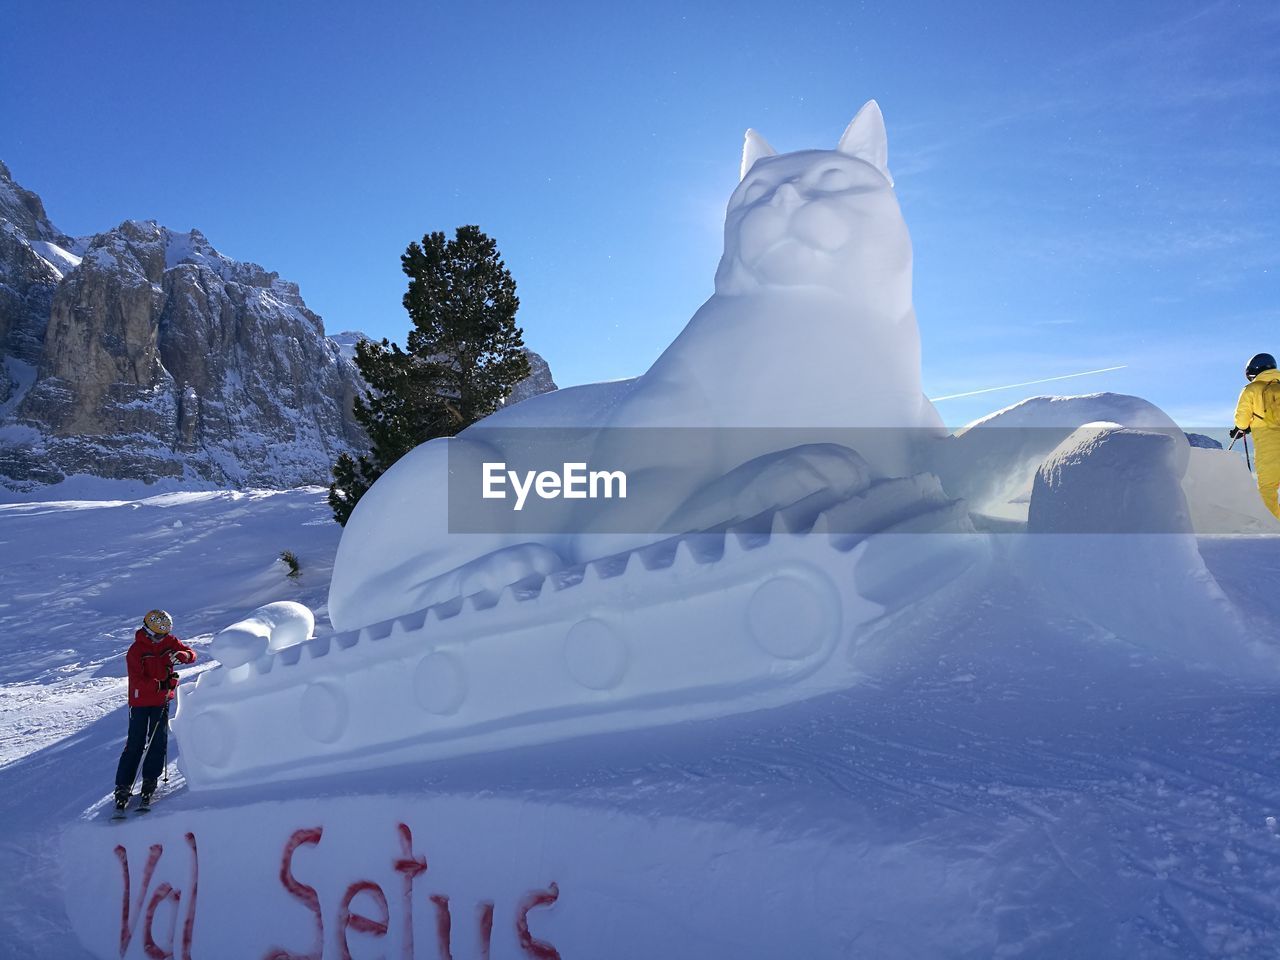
{"x": 1108, "y": 479}
{"x": 273, "y": 626}
{"x": 1111, "y": 537}
{"x": 992, "y": 462}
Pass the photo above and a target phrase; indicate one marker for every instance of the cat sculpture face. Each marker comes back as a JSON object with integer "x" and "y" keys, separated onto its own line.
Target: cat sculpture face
{"x": 819, "y": 218}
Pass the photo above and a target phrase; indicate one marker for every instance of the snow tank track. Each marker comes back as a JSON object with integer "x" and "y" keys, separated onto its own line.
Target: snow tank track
{"x": 694, "y": 626}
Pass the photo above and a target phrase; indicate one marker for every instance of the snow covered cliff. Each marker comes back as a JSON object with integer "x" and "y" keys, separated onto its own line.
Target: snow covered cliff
{"x": 142, "y": 353}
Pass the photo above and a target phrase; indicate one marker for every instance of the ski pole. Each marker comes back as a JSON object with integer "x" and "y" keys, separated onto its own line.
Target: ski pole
{"x": 1232, "y": 444}
{"x": 150, "y": 740}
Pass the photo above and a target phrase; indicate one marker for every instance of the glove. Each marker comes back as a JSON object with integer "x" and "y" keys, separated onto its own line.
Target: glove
{"x": 1236, "y": 433}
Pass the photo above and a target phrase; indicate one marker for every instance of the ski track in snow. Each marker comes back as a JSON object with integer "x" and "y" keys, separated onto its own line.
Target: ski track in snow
{"x": 1116, "y": 802}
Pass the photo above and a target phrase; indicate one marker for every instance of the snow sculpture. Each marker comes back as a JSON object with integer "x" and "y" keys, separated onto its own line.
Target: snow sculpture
{"x": 471, "y": 641}
{"x": 1105, "y": 478}
{"x": 761, "y": 561}
{"x": 811, "y": 326}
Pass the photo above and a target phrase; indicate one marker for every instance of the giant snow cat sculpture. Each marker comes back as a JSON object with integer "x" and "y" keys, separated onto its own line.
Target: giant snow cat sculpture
{"x": 764, "y": 557}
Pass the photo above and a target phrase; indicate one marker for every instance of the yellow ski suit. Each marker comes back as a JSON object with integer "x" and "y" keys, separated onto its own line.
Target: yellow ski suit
{"x": 1259, "y": 412}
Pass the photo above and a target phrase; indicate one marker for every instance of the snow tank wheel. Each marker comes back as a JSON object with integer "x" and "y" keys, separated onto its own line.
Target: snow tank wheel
{"x": 595, "y": 655}
{"x": 213, "y": 738}
{"x": 322, "y": 712}
{"x": 440, "y": 684}
{"x": 792, "y": 616}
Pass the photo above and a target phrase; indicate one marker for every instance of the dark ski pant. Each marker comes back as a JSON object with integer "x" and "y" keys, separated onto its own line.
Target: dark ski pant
{"x": 145, "y": 723}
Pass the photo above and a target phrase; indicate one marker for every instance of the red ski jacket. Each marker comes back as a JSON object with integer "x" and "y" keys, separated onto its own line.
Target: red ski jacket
{"x": 149, "y": 668}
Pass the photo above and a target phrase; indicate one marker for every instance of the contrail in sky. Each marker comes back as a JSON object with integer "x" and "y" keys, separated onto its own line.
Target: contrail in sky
{"x": 1029, "y": 383}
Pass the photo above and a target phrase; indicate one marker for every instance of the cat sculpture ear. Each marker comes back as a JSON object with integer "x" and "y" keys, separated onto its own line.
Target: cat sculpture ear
{"x": 865, "y": 139}
{"x": 753, "y": 148}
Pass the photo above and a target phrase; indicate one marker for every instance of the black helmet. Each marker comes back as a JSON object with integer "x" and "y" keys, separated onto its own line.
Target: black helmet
{"x": 1263, "y": 361}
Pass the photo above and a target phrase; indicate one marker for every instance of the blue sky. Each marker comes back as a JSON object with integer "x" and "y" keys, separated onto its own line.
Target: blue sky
{"x": 1087, "y": 184}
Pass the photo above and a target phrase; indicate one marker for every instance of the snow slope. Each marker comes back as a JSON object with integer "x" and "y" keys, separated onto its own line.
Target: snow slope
{"x": 73, "y": 576}
{"x": 1012, "y": 783}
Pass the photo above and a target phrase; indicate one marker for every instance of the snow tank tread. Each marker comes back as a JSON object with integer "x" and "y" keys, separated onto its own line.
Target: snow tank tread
{"x": 700, "y": 625}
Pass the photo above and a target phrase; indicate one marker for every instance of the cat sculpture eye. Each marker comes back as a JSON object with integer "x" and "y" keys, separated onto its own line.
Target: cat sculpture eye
{"x": 754, "y": 192}
{"x": 834, "y": 179}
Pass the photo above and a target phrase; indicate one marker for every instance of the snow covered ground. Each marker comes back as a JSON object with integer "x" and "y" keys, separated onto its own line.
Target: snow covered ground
{"x": 72, "y": 576}
{"x": 1012, "y": 782}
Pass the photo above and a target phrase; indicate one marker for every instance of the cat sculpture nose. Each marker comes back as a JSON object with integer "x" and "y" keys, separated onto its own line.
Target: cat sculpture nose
{"x": 786, "y": 196}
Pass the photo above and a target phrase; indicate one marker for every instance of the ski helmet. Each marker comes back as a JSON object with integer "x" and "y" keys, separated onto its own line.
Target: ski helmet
{"x": 1263, "y": 361}
{"x": 158, "y": 622}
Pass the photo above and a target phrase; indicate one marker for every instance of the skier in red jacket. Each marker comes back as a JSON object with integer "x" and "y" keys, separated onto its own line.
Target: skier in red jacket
{"x": 152, "y": 684}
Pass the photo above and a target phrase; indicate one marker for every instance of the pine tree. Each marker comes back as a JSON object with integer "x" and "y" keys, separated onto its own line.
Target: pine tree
{"x": 464, "y": 356}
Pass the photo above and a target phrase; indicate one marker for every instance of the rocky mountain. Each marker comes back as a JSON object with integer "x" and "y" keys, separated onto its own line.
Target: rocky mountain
{"x": 33, "y": 258}
{"x": 538, "y": 381}
{"x": 144, "y": 353}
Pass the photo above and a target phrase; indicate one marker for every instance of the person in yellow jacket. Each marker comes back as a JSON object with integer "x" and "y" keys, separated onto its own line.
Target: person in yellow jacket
{"x": 1258, "y": 413}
